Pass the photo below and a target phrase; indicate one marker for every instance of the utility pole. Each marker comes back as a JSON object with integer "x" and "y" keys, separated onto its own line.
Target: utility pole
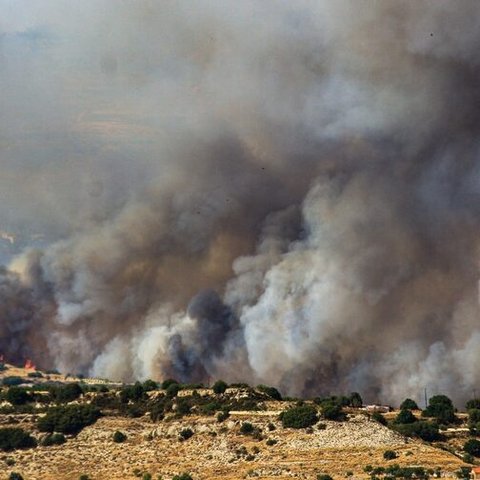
{"x": 425, "y": 391}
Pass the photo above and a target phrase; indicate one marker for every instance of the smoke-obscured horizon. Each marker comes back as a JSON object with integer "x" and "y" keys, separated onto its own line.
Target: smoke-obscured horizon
{"x": 272, "y": 192}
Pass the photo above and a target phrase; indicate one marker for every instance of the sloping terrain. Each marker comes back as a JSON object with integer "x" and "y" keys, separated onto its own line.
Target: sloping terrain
{"x": 219, "y": 451}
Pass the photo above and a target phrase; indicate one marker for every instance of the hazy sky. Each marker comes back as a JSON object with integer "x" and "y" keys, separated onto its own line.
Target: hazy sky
{"x": 256, "y": 190}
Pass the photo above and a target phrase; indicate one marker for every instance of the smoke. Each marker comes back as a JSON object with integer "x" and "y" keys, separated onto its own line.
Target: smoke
{"x": 257, "y": 191}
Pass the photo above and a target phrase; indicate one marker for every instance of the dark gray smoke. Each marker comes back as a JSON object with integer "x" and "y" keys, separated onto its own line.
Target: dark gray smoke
{"x": 272, "y": 192}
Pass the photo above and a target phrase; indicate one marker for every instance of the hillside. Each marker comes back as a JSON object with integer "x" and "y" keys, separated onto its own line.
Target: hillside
{"x": 216, "y": 449}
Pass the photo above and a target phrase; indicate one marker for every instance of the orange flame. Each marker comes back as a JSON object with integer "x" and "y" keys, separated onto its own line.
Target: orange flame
{"x": 29, "y": 365}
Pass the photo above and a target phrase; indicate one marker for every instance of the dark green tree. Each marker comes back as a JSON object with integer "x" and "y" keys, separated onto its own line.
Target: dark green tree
{"x": 472, "y": 447}
{"x": 441, "y": 408}
{"x": 219, "y": 387}
{"x": 355, "y": 400}
{"x": 166, "y": 383}
{"x": 17, "y": 396}
{"x": 404, "y": 417}
{"x": 15, "y": 438}
{"x": 299, "y": 417}
{"x": 409, "y": 404}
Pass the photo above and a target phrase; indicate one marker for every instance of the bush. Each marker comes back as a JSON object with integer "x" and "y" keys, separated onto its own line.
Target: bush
{"x": 134, "y": 393}
{"x": 355, "y": 400}
{"x": 424, "y": 430}
{"x": 471, "y": 404}
{"x": 186, "y": 433}
{"x": 271, "y": 441}
{"x": 464, "y": 472}
{"x": 68, "y": 419}
{"x": 441, "y": 408}
{"x": 83, "y": 477}
{"x": 17, "y": 396}
{"x": 389, "y": 455}
{"x": 12, "y": 381}
{"x": 247, "y": 428}
{"x": 183, "y": 476}
{"x": 54, "y": 439}
{"x": 67, "y": 393}
{"x": 219, "y": 387}
{"x": 409, "y": 404}
{"x": 222, "y": 416}
{"x": 168, "y": 382}
{"x": 272, "y": 392}
{"x": 15, "y": 476}
{"x": 119, "y": 437}
{"x": 299, "y": 417}
{"x": 472, "y": 447}
{"x": 405, "y": 417}
{"x": 172, "y": 390}
{"x": 323, "y": 476}
{"x": 15, "y": 438}
{"x": 149, "y": 385}
{"x": 332, "y": 411}
{"x": 147, "y": 476}
{"x": 378, "y": 417}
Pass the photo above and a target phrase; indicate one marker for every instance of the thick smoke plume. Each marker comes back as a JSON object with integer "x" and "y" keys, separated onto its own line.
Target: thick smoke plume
{"x": 273, "y": 192}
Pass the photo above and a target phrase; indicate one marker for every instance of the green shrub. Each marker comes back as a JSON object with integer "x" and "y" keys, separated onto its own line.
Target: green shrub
{"x": 12, "y": 381}
{"x": 10, "y": 462}
{"x": 168, "y": 382}
{"x": 132, "y": 393}
{"x": 378, "y": 417}
{"x": 471, "y": 404}
{"x": 183, "y": 476}
{"x": 389, "y": 455}
{"x": 272, "y": 392}
{"x": 149, "y": 385}
{"x": 355, "y": 400}
{"x": 408, "y": 404}
{"x": 15, "y": 476}
{"x": 468, "y": 458}
{"x": 246, "y": 428}
{"x": 54, "y": 439}
{"x": 119, "y": 437}
{"x": 324, "y": 476}
{"x": 172, "y": 390}
{"x": 68, "y": 419}
{"x": 405, "y": 417}
{"x": 219, "y": 387}
{"x": 472, "y": 447}
{"x": 34, "y": 375}
{"x": 17, "y": 396}
{"x": 464, "y": 472}
{"x": 182, "y": 407}
{"x": 147, "y": 476}
{"x": 67, "y": 393}
{"x": 271, "y": 441}
{"x": 15, "y": 438}
{"x": 441, "y": 408}
{"x": 222, "y": 416}
{"x": 299, "y": 417}
{"x": 186, "y": 433}
{"x": 424, "y": 430}
{"x": 83, "y": 477}
{"x": 332, "y": 411}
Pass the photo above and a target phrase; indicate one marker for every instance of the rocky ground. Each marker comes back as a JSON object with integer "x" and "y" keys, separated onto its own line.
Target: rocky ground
{"x": 219, "y": 451}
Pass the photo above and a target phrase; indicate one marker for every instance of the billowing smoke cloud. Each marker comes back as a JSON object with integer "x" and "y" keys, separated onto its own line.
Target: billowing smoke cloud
{"x": 275, "y": 192}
